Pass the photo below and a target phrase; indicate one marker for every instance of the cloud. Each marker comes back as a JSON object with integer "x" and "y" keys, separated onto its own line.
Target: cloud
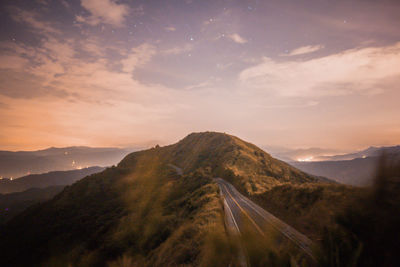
{"x": 137, "y": 56}
{"x": 170, "y": 29}
{"x": 3, "y": 106}
{"x": 363, "y": 70}
{"x": 31, "y": 18}
{"x": 237, "y": 38}
{"x": 178, "y": 50}
{"x": 104, "y": 11}
{"x": 304, "y": 50}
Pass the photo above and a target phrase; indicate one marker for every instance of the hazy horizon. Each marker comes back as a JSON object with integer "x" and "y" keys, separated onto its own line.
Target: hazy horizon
{"x": 106, "y": 73}
{"x": 266, "y": 147}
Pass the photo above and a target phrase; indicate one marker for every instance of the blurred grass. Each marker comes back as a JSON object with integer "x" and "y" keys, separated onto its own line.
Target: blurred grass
{"x": 367, "y": 232}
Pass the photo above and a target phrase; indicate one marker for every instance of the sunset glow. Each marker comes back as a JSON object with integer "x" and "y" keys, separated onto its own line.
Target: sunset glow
{"x": 140, "y": 73}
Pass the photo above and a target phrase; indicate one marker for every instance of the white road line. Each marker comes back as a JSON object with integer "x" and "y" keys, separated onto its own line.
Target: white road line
{"x": 299, "y": 239}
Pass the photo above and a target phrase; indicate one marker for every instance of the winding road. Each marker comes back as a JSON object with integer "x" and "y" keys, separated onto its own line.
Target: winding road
{"x": 236, "y": 205}
{"x": 239, "y": 205}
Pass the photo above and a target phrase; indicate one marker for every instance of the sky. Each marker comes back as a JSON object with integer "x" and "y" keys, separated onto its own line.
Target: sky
{"x": 298, "y": 74}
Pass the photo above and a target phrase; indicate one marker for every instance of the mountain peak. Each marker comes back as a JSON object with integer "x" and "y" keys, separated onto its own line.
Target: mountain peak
{"x": 223, "y": 155}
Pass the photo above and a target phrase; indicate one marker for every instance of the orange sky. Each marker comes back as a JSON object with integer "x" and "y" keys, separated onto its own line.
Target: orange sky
{"x": 101, "y": 73}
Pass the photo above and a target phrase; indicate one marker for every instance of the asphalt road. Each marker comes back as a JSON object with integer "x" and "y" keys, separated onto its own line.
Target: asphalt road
{"x": 240, "y": 205}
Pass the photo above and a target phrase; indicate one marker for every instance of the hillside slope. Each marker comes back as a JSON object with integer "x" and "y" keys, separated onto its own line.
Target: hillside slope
{"x": 243, "y": 163}
{"x": 142, "y": 212}
{"x": 14, "y": 203}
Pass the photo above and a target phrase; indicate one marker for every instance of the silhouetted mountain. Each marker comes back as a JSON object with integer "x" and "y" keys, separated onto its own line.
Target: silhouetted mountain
{"x": 143, "y": 212}
{"x": 45, "y": 179}
{"x": 358, "y": 171}
{"x": 289, "y": 155}
{"x": 14, "y": 203}
{"x": 369, "y": 152}
{"x": 16, "y": 164}
{"x": 321, "y": 154}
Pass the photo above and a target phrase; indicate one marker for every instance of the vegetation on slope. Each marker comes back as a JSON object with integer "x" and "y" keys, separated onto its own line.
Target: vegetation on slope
{"x": 14, "y": 203}
{"x": 366, "y": 232}
{"x": 229, "y": 157}
{"x": 140, "y": 213}
{"x": 310, "y": 207}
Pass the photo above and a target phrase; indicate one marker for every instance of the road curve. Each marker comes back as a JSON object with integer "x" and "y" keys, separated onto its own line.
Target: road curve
{"x": 240, "y": 205}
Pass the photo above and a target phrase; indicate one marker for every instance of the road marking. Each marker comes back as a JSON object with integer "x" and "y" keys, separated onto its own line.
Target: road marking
{"x": 242, "y": 257}
{"x": 302, "y": 241}
{"x": 248, "y": 216}
{"x": 231, "y": 215}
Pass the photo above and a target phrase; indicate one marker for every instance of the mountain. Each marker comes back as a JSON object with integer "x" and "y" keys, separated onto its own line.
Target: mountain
{"x": 369, "y": 152}
{"x": 322, "y": 154}
{"x": 143, "y": 212}
{"x": 16, "y": 164}
{"x": 359, "y": 171}
{"x": 289, "y": 155}
{"x": 14, "y": 203}
{"x": 45, "y": 179}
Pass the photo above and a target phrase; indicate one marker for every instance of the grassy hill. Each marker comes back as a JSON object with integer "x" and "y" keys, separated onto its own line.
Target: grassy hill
{"x": 142, "y": 212}
{"x": 241, "y": 162}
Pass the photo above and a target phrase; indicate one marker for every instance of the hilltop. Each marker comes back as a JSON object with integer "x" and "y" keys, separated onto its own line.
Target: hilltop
{"x": 224, "y": 155}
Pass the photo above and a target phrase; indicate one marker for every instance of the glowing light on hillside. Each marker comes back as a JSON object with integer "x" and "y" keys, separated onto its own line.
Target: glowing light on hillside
{"x": 306, "y": 159}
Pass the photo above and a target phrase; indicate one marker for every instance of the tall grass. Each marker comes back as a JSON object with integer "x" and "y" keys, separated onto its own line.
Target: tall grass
{"x": 367, "y": 231}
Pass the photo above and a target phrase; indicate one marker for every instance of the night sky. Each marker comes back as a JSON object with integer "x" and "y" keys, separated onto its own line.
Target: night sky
{"x": 300, "y": 73}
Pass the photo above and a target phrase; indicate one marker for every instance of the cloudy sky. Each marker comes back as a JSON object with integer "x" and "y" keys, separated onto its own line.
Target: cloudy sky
{"x": 300, "y": 73}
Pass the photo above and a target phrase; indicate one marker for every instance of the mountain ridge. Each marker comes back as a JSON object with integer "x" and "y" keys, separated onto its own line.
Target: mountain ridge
{"x": 142, "y": 211}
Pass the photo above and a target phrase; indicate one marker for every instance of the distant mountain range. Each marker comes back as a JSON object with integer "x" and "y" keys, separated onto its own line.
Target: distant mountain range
{"x": 288, "y": 155}
{"x": 55, "y": 178}
{"x": 17, "y": 164}
{"x": 369, "y": 152}
{"x": 354, "y": 168}
{"x": 18, "y": 194}
{"x": 322, "y": 154}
